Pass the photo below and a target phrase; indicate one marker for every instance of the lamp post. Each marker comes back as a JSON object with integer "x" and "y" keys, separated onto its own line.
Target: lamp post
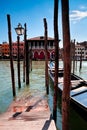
{"x": 20, "y": 31}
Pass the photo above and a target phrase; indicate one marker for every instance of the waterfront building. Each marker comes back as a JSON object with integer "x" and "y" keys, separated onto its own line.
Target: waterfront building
{"x": 36, "y": 48}
{"x": 81, "y": 49}
{"x": 5, "y": 50}
{"x": 36, "y": 45}
{"x": 15, "y": 49}
{"x": 78, "y": 50}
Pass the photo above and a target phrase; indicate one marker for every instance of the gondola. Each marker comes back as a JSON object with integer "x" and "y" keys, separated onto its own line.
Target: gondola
{"x": 78, "y": 91}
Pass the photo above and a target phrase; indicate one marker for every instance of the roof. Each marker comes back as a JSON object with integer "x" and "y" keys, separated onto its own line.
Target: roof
{"x": 40, "y": 38}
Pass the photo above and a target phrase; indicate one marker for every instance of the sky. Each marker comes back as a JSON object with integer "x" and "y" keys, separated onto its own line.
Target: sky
{"x": 32, "y": 12}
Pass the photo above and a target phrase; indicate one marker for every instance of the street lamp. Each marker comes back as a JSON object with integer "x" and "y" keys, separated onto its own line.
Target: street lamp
{"x": 20, "y": 31}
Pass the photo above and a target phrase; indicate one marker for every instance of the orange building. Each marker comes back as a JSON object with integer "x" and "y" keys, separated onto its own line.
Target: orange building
{"x": 15, "y": 49}
{"x": 5, "y": 49}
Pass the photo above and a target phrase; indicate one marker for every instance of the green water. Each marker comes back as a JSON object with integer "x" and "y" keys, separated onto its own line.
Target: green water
{"x": 36, "y": 87}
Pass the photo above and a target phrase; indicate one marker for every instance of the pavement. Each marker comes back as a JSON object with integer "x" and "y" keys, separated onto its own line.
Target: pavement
{"x": 31, "y": 113}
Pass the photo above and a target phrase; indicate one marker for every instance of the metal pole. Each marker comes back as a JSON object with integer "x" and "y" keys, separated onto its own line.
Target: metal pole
{"x": 11, "y": 57}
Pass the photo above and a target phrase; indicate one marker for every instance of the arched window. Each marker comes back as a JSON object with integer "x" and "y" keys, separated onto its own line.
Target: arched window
{"x": 41, "y": 56}
{"x": 35, "y": 55}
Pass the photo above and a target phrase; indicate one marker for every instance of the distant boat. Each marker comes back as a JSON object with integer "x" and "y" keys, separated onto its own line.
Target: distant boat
{"x": 78, "y": 92}
{"x": 51, "y": 65}
{"x": 51, "y": 68}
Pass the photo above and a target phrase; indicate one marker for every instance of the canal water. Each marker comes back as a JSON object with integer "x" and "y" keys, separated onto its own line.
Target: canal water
{"x": 37, "y": 87}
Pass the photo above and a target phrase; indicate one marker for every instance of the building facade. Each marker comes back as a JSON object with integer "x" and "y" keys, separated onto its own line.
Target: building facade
{"x": 37, "y": 46}
{"x": 81, "y": 50}
{"x": 37, "y": 49}
{"x": 15, "y": 49}
{"x": 78, "y": 51}
{"x": 5, "y": 50}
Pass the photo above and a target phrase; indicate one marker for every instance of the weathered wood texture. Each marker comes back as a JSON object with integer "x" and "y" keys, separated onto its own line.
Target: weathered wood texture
{"x": 56, "y": 42}
{"x": 67, "y": 65}
{"x": 46, "y": 57}
{"x": 11, "y": 58}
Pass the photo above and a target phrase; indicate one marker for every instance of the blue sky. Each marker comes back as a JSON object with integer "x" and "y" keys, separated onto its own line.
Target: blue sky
{"x": 32, "y": 13}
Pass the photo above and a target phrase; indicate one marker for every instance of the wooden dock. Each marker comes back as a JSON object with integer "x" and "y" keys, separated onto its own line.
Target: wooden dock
{"x": 32, "y": 113}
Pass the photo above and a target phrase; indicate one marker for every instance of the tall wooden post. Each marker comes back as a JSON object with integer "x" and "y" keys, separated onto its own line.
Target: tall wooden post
{"x": 74, "y": 56}
{"x": 80, "y": 67}
{"x": 31, "y": 58}
{"x": 56, "y": 42}
{"x": 18, "y": 63}
{"x": 76, "y": 62}
{"x": 24, "y": 59}
{"x": 46, "y": 57}
{"x": 27, "y": 57}
{"x": 11, "y": 57}
{"x": 67, "y": 65}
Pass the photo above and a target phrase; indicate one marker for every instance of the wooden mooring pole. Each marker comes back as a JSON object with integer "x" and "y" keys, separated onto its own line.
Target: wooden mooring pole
{"x": 31, "y": 58}
{"x": 74, "y": 56}
{"x": 27, "y": 56}
{"x": 18, "y": 63}
{"x": 80, "y": 67}
{"x": 24, "y": 62}
{"x": 56, "y": 42}
{"x": 67, "y": 65}
{"x": 11, "y": 57}
{"x": 46, "y": 57}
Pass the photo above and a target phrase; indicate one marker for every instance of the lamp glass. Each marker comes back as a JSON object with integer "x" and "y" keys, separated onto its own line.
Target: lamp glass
{"x": 19, "y": 30}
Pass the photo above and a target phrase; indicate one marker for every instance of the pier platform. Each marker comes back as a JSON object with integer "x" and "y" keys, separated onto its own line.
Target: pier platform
{"x": 31, "y": 113}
